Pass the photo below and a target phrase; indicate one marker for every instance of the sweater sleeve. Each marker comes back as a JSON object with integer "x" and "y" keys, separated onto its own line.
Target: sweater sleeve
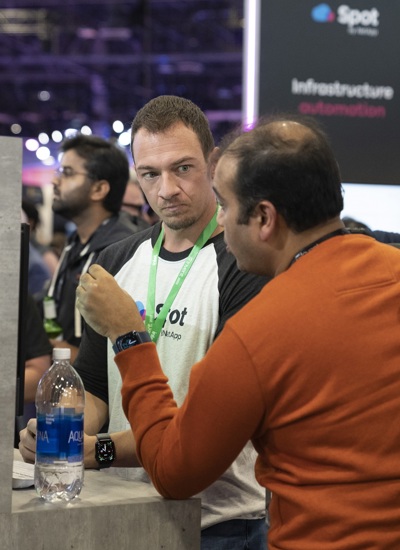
{"x": 185, "y": 450}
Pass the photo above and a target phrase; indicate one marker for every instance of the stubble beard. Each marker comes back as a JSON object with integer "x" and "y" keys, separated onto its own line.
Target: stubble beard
{"x": 69, "y": 211}
{"x": 177, "y": 225}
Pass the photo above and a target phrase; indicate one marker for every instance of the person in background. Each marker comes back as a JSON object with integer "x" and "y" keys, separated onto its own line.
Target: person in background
{"x": 174, "y": 154}
{"x": 309, "y": 370}
{"x": 149, "y": 215}
{"x": 88, "y": 189}
{"x": 355, "y": 225}
{"x": 38, "y": 273}
{"x": 382, "y": 236}
{"x": 37, "y": 349}
{"x": 50, "y": 258}
{"x": 58, "y": 242}
{"x": 133, "y": 204}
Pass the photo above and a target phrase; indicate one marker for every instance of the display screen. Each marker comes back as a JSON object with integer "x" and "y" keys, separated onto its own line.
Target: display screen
{"x": 338, "y": 62}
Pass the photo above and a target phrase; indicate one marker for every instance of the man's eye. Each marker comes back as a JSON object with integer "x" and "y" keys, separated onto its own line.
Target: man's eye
{"x": 148, "y": 175}
{"x": 184, "y": 168}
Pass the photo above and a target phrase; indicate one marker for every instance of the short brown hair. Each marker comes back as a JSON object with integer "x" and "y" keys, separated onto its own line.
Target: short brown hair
{"x": 162, "y": 112}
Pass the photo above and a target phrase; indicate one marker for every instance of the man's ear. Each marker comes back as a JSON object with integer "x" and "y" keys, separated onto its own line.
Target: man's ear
{"x": 100, "y": 190}
{"x": 266, "y": 217}
{"x": 213, "y": 159}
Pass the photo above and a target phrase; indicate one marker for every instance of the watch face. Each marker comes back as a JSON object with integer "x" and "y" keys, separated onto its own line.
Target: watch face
{"x": 128, "y": 341}
{"x": 105, "y": 451}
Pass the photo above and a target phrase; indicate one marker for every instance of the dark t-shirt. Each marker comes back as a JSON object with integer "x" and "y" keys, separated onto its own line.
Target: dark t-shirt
{"x": 36, "y": 341}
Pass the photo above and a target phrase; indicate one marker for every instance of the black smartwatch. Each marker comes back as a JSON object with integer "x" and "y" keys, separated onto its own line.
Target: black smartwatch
{"x": 104, "y": 450}
{"x": 130, "y": 339}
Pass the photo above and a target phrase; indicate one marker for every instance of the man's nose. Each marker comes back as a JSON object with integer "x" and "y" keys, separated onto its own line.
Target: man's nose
{"x": 168, "y": 186}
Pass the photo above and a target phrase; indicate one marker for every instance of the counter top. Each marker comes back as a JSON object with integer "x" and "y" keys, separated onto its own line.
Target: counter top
{"x": 109, "y": 513}
{"x": 99, "y": 488}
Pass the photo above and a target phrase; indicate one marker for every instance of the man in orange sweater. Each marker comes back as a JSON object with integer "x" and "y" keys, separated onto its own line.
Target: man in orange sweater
{"x": 309, "y": 370}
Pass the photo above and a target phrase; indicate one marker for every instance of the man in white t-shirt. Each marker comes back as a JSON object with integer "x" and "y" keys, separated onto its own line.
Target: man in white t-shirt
{"x": 187, "y": 284}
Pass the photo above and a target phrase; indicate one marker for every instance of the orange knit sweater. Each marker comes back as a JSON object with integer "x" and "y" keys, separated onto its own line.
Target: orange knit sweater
{"x": 309, "y": 370}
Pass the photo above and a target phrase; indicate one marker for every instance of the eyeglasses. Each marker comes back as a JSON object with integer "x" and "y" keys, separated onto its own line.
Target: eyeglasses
{"x": 68, "y": 172}
{"x": 131, "y": 205}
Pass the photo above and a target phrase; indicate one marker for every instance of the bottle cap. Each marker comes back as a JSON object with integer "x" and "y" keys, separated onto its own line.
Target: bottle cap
{"x": 61, "y": 353}
{"x": 49, "y": 308}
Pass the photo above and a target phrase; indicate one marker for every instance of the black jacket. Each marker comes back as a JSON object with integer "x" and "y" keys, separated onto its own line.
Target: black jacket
{"x": 75, "y": 260}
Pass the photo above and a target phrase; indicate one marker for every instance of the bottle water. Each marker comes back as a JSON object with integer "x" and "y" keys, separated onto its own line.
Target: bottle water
{"x": 60, "y": 401}
{"x": 51, "y": 326}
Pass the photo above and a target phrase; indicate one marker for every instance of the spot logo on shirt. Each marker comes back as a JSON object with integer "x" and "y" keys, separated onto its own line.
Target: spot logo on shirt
{"x": 322, "y": 14}
{"x": 142, "y": 309}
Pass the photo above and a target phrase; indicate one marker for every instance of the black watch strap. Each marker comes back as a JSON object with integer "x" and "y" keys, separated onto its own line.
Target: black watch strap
{"x": 130, "y": 339}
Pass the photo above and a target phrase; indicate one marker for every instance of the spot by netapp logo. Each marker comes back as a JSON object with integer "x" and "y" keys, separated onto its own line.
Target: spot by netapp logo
{"x": 358, "y": 22}
{"x": 322, "y": 14}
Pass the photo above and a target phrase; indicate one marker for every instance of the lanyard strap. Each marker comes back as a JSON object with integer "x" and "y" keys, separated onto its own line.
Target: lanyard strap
{"x": 306, "y": 249}
{"x": 154, "y": 325}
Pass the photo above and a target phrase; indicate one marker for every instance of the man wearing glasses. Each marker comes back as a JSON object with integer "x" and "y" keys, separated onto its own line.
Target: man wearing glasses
{"x": 134, "y": 206}
{"x": 89, "y": 186}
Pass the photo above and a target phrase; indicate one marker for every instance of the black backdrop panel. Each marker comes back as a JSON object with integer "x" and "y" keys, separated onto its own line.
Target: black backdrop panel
{"x": 340, "y": 63}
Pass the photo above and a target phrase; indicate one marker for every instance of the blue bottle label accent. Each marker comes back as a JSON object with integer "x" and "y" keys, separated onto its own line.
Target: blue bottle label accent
{"x": 59, "y": 436}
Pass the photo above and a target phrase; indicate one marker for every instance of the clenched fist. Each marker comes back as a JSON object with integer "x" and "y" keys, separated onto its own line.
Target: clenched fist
{"x": 105, "y": 306}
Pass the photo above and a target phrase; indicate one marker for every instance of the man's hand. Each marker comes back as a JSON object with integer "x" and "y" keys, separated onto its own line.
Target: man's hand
{"x": 103, "y": 304}
{"x": 27, "y": 443}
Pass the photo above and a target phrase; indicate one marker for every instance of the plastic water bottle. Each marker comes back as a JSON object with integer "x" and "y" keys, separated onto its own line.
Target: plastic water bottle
{"x": 60, "y": 402}
{"x": 51, "y": 326}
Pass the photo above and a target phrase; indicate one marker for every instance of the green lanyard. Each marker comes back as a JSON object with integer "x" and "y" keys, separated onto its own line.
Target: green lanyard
{"x": 154, "y": 325}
